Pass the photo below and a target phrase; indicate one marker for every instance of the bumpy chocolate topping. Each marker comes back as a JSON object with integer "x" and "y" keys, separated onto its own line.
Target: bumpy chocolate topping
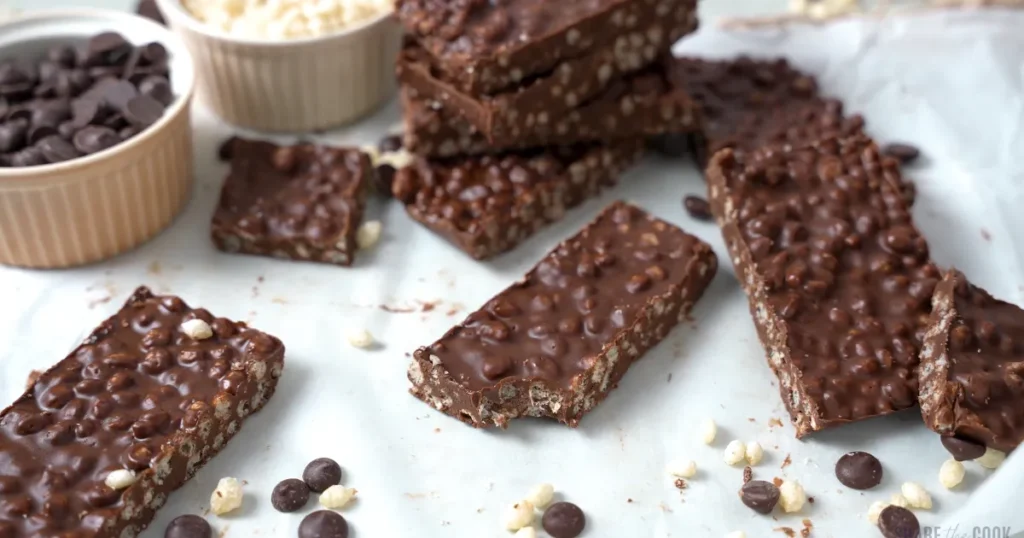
{"x": 972, "y": 366}
{"x": 128, "y": 398}
{"x": 838, "y": 276}
{"x": 304, "y": 202}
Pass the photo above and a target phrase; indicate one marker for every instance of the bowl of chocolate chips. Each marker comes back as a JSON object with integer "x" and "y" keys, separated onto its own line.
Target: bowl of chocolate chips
{"x": 95, "y": 135}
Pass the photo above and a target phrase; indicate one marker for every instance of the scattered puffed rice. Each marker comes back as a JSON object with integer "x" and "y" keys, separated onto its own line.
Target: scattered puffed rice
{"x": 526, "y": 532}
{"x": 916, "y": 495}
{"x": 951, "y": 474}
{"x": 875, "y": 510}
{"x": 227, "y": 496}
{"x": 360, "y": 338}
{"x": 898, "y": 499}
{"x": 120, "y": 479}
{"x": 519, "y": 515}
{"x": 708, "y": 431}
{"x": 541, "y": 494}
{"x": 368, "y": 234}
{"x": 197, "y": 329}
{"x": 792, "y": 496}
{"x": 682, "y": 468}
{"x": 754, "y": 453}
{"x": 992, "y": 458}
{"x": 735, "y": 452}
{"x": 337, "y": 497}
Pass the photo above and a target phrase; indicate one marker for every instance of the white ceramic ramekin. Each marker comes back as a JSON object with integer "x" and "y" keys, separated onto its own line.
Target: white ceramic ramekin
{"x": 100, "y": 205}
{"x": 291, "y": 85}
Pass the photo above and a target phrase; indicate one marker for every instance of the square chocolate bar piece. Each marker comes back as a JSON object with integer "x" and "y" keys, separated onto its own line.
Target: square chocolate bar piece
{"x": 153, "y": 394}
{"x": 302, "y": 202}
{"x": 555, "y": 343}
{"x": 972, "y": 366}
{"x": 838, "y": 278}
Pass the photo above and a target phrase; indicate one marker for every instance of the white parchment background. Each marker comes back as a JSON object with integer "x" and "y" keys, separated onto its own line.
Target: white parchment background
{"x": 950, "y": 83}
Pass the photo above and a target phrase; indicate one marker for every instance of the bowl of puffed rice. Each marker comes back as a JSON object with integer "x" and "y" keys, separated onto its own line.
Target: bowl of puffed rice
{"x": 289, "y": 65}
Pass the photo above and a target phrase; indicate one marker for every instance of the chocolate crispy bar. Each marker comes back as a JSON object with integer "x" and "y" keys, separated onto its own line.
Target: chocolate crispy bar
{"x": 556, "y": 342}
{"x": 487, "y": 205}
{"x": 972, "y": 366}
{"x": 142, "y": 393}
{"x": 302, "y": 202}
{"x": 641, "y": 105}
{"x": 838, "y": 277}
{"x": 483, "y": 47}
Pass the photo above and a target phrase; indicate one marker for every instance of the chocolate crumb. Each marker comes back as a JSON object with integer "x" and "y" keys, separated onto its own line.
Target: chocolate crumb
{"x": 985, "y": 235}
{"x": 808, "y": 526}
{"x": 786, "y": 462}
{"x": 748, "y": 474}
{"x": 778, "y": 482}
{"x": 810, "y": 499}
{"x": 680, "y": 483}
{"x": 785, "y": 530}
{"x": 629, "y": 500}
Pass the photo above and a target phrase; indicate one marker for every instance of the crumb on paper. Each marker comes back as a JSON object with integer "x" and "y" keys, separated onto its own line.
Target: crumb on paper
{"x": 154, "y": 268}
{"x": 437, "y": 430}
{"x": 774, "y": 423}
{"x": 777, "y": 481}
{"x": 479, "y": 510}
{"x": 669, "y": 378}
{"x": 98, "y": 301}
{"x": 279, "y": 300}
{"x": 752, "y": 419}
{"x": 785, "y": 530}
{"x": 681, "y": 484}
{"x": 786, "y": 462}
{"x": 810, "y": 499}
{"x": 629, "y": 500}
{"x": 808, "y": 527}
{"x": 986, "y": 235}
{"x": 396, "y": 309}
{"x": 427, "y": 306}
{"x": 748, "y": 474}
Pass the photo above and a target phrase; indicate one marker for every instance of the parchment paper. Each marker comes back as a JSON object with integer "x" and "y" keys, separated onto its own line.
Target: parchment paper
{"x": 950, "y": 83}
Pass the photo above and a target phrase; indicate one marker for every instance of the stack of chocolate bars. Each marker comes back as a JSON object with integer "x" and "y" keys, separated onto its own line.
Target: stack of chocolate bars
{"x": 517, "y": 110}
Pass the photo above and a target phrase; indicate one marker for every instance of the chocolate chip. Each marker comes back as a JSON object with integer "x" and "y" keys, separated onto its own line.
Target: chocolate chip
{"x": 132, "y": 63}
{"x": 84, "y": 111}
{"x": 390, "y": 144}
{"x": 226, "y": 148}
{"x": 760, "y": 496}
{"x": 158, "y": 88}
{"x": 859, "y": 470}
{"x": 5, "y": 107}
{"x": 107, "y": 48}
{"x": 11, "y": 74}
{"x": 30, "y": 156}
{"x": 289, "y": 495}
{"x": 94, "y": 138}
{"x": 898, "y": 522}
{"x": 148, "y": 9}
{"x": 48, "y": 70}
{"x": 154, "y": 53}
{"x": 188, "y": 526}
{"x": 904, "y": 153}
{"x": 671, "y": 144}
{"x": 962, "y": 449}
{"x": 55, "y": 149}
{"x": 321, "y": 474}
{"x": 143, "y": 111}
{"x": 40, "y": 132}
{"x": 323, "y": 524}
{"x": 564, "y": 520}
{"x": 698, "y": 208}
{"x": 13, "y": 135}
{"x": 51, "y": 113}
{"x": 118, "y": 93}
{"x": 128, "y": 132}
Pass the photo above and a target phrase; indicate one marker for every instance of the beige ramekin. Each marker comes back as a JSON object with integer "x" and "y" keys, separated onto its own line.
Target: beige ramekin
{"x": 291, "y": 85}
{"x": 100, "y": 205}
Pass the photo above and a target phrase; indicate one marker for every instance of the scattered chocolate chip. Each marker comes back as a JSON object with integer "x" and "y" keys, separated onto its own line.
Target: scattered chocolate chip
{"x": 321, "y": 474}
{"x": 564, "y": 520}
{"x": 226, "y": 148}
{"x": 898, "y": 522}
{"x": 390, "y": 144}
{"x": 143, "y": 111}
{"x": 962, "y": 449}
{"x": 323, "y": 524}
{"x": 94, "y": 138}
{"x": 859, "y": 470}
{"x": 698, "y": 208}
{"x": 904, "y": 153}
{"x": 158, "y": 88}
{"x": 55, "y": 149}
{"x": 289, "y": 495}
{"x": 148, "y": 9}
{"x": 760, "y": 496}
{"x": 188, "y": 526}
